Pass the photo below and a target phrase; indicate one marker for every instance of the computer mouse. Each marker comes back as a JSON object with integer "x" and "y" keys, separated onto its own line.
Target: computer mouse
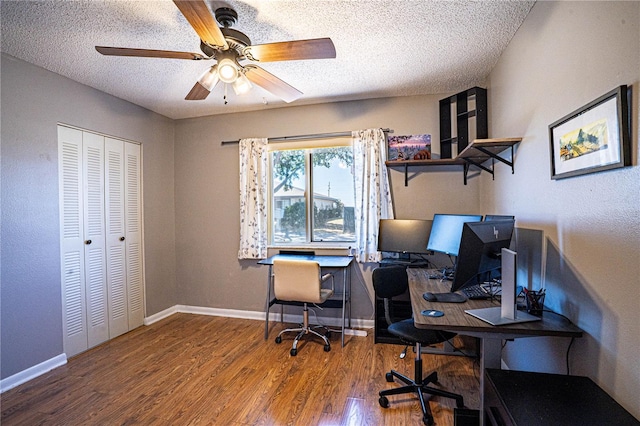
{"x": 432, "y": 313}
{"x": 430, "y": 297}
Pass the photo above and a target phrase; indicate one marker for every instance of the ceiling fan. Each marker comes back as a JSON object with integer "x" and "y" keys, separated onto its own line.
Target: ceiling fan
{"x": 228, "y": 47}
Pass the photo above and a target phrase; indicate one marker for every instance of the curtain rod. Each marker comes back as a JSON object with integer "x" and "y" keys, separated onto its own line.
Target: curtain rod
{"x": 301, "y": 137}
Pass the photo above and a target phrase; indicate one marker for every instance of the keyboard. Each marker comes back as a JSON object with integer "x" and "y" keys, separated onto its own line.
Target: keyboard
{"x": 475, "y": 292}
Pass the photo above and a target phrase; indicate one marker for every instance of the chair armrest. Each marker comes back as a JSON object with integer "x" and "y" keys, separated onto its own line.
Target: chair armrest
{"x": 326, "y": 277}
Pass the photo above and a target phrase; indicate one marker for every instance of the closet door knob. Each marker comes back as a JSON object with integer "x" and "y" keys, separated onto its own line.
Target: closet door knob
{"x": 121, "y": 238}
{"x": 87, "y": 242}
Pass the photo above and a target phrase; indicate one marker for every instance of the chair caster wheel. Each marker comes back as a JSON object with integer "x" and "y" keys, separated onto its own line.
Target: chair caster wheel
{"x": 427, "y": 420}
{"x": 327, "y": 348}
{"x": 278, "y": 340}
{"x": 293, "y": 352}
{"x": 389, "y": 377}
{"x": 383, "y": 401}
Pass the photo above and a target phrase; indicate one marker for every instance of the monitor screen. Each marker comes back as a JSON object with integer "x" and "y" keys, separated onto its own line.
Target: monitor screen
{"x": 498, "y": 217}
{"x": 446, "y": 231}
{"x": 404, "y": 235}
{"x": 480, "y": 251}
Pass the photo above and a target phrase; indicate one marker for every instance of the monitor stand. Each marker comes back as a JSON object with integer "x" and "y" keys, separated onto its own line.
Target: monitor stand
{"x": 506, "y": 313}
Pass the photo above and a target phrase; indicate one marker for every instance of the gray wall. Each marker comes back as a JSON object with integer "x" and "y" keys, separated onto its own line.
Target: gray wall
{"x": 565, "y": 55}
{"x": 33, "y": 102}
{"x": 207, "y": 192}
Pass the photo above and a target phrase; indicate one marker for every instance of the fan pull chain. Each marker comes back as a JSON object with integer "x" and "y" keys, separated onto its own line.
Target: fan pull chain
{"x": 225, "y": 94}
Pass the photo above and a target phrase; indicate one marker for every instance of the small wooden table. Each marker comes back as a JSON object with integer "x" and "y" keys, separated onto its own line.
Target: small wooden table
{"x": 456, "y": 320}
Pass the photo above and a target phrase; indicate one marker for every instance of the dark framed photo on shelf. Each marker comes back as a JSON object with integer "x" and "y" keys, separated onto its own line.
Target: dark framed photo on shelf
{"x": 593, "y": 138}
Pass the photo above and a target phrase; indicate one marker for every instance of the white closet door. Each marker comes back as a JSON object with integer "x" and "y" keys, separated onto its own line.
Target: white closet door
{"x": 133, "y": 235}
{"x": 115, "y": 236}
{"x": 95, "y": 258}
{"x": 74, "y": 311}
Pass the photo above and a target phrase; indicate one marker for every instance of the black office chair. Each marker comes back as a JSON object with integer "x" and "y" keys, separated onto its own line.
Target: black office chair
{"x": 390, "y": 282}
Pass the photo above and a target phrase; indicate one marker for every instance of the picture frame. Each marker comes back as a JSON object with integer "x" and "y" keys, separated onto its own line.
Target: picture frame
{"x": 406, "y": 147}
{"x": 593, "y": 138}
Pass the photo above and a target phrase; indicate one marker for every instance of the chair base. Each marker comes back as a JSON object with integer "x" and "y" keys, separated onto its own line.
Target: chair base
{"x": 420, "y": 387}
{"x": 305, "y": 328}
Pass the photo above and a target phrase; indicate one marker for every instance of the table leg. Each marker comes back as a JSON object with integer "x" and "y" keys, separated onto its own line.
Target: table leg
{"x": 344, "y": 301}
{"x": 490, "y": 357}
{"x": 266, "y": 320}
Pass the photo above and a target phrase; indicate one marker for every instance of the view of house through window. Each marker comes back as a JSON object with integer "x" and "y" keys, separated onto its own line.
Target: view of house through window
{"x": 312, "y": 195}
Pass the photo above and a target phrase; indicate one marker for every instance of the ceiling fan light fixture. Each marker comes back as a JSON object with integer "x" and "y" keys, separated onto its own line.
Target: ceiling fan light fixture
{"x": 210, "y": 78}
{"x": 242, "y": 85}
{"x": 228, "y": 70}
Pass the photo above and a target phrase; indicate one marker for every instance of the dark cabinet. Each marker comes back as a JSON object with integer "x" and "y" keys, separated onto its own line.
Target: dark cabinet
{"x": 463, "y": 118}
{"x": 531, "y": 399}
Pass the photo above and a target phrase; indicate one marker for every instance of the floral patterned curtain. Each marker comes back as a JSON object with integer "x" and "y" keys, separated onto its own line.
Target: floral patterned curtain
{"x": 253, "y": 198}
{"x": 372, "y": 191}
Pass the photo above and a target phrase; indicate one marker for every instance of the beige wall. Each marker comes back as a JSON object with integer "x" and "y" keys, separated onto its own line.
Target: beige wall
{"x": 565, "y": 55}
{"x": 207, "y": 191}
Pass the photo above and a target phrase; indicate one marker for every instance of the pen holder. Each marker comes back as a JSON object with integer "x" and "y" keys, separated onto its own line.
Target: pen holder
{"x": 535, "y": 302}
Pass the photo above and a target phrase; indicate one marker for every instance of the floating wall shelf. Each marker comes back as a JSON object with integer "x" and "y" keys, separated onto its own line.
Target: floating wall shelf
{"x": 475, "y": 154}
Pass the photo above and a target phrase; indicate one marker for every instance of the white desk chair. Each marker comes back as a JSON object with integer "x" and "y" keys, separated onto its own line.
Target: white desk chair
{"x": 301, "y": 281}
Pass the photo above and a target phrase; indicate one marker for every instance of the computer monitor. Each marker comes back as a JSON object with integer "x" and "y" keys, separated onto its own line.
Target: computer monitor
{"x": 446, "y": 232}
{"x": 490, "y": 217}
{"x": 480, "y": 250}
{"x": 404, "y": 235}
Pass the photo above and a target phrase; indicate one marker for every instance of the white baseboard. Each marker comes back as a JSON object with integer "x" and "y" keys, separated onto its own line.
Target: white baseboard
{"x": 37, "y": 370}
{"x": 260, "y": 316}
{"x": 32, "y": 372}
{"x": 160, "y": 315}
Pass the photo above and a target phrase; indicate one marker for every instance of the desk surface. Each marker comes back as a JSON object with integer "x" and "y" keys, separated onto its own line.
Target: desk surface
{"x": 323, "y": 260}
{"x": 456, "y": 320}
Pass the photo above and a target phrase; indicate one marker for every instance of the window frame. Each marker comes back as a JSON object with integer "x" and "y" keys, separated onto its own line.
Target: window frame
{"x": 308, "y": 145}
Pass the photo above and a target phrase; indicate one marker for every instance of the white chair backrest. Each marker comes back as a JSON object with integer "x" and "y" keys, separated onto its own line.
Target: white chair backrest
{"x": 297, "y": 280}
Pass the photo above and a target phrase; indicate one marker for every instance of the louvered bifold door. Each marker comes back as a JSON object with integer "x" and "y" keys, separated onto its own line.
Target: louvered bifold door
{"x": 95, "y": 242}
{"x": 115, "y": 235}
{"x": 133, "y": 235}
{"x": 74, "y": 311}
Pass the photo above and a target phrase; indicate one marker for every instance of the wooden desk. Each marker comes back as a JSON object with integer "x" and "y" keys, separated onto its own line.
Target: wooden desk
{"x": 456, "y": 320}
{"x": 334, "y": 262}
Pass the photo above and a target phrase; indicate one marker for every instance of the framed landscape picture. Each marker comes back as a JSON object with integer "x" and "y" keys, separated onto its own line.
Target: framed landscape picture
{"x": 593, "y": 138}
{"x": 406, "y": 147}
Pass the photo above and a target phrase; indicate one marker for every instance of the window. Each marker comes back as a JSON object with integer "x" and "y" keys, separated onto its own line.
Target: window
{"x": 312, "y": 196}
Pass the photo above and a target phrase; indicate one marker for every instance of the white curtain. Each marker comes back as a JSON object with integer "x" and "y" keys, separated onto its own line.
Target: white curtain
{"x": 372, "y": 191}
{"x": 253, "y": 198}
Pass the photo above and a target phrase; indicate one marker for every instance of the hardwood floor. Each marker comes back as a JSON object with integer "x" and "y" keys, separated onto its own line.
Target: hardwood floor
{"x": 192, "y": 369}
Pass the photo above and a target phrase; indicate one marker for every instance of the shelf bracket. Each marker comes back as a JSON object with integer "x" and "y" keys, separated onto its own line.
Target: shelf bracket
{"x": 406, "y": 175}
{"x": 497, "y": 157}
{"x": 469, "y": 162}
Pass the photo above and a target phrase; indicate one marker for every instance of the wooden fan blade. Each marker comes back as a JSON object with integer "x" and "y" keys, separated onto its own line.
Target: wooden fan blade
{"x": 317, "y": 48}
{"x": 198, "y": 92}
{"x": 271, "y": 83}
{"x": 148, "y": 53}
{"x": 200, "y": 18}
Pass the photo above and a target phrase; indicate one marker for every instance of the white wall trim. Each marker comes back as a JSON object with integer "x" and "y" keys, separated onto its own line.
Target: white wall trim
{"x": 160, "y": 315}
{"x": 255, "y": 315}
{"x": 32, "y": 372}
{"x": 40, "y": 369}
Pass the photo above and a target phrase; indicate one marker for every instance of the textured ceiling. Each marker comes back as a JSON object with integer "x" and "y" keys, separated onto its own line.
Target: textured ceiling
{"x": 383, "y": 48}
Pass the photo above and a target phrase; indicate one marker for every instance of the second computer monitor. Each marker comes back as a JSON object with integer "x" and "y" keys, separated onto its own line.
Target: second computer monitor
{"x": 446, "y": 232}
{"x": 404, "y": 235}
{"x": 491, "y": 217}
{"x": 480, "y": 251}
